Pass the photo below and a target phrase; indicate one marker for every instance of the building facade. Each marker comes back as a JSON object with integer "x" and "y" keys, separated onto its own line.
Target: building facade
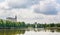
{"x": 12, "y": 19}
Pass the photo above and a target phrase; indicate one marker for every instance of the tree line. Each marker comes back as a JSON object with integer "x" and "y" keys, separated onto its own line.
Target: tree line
{"x": 10, "y": 24}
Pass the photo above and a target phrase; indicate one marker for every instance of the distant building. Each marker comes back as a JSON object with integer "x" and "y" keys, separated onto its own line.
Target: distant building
{"x": 35, "y": 24}
{"x": 12, "y": 19}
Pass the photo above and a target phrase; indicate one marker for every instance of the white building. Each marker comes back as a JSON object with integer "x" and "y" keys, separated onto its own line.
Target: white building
{"x": 12, "y": 19}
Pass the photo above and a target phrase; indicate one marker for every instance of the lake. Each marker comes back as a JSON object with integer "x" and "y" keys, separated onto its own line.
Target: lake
{"x": 35, "y": 31}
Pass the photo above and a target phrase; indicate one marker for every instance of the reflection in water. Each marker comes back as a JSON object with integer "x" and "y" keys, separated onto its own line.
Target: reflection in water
{"x": 38, "y": 31}
{"x": 11, "y": 32}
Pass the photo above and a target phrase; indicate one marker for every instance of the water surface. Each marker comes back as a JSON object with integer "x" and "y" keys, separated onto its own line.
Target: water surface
{"x": 37, "y": 31}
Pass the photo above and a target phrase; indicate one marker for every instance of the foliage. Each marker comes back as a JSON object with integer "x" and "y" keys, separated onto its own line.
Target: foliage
{"x": 10, "y": 24}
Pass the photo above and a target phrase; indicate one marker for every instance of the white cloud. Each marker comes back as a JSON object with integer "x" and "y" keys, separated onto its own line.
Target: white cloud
{"x": 28, "y": 14}
{"x": 47, "y": 7}
{"x": 21, "y": 3}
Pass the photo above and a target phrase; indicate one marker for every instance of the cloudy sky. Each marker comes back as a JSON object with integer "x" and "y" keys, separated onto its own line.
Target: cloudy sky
{"x": 30, "y": 11}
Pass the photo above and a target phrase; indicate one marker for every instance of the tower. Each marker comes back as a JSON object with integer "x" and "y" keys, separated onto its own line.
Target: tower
{"x": 15, "y": 18}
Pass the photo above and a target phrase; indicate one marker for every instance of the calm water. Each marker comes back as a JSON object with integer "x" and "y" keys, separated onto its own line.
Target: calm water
{"x": 39, "y": 31}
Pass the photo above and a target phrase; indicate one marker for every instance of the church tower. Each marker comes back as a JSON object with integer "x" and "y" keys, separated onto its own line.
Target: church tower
{"x": 15, "y": 18}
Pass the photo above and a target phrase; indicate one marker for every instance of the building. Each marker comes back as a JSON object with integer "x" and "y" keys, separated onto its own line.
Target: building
{"x": 12, "y": 19}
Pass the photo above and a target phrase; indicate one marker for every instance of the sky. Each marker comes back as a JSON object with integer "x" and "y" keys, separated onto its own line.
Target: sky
{"x": 30, "y": 11}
